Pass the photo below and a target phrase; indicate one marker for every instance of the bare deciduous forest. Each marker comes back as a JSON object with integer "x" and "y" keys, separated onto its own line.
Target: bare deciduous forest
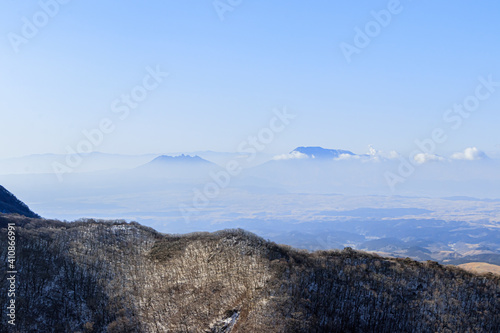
{"x": 112, "y": 276}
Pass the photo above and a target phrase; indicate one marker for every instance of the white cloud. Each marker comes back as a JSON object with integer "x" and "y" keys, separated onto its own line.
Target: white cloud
{"x": 347, "y": 157}
{"x": 294, "y": 155}
{"x": 469, "y": 154}
{"x": 378, "y": 155}
{"x": 422, "y": 158}
{"x": 392, "y": 155}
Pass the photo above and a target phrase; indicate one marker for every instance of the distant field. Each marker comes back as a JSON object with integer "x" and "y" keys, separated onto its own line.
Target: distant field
{"x": 481, "y": 267}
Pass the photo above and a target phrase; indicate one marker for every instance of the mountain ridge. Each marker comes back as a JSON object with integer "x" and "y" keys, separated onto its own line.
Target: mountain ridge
{"x": 113, "y": 276}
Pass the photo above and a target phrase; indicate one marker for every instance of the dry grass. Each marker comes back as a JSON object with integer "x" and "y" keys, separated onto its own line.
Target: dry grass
{"x": 481, "y": 267}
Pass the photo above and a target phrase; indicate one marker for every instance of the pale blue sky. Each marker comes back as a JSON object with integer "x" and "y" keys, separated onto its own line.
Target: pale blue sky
{"x": 227, "y": 76}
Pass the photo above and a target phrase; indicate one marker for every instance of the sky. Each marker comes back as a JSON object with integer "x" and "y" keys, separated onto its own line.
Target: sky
{"x": 65, "y": 67}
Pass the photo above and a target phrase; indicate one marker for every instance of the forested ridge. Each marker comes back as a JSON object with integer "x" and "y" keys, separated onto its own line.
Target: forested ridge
{"x": 113, "y": 276}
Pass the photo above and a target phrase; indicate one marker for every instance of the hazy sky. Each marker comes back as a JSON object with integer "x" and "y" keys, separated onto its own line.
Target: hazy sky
{"x": 226, "y": 76}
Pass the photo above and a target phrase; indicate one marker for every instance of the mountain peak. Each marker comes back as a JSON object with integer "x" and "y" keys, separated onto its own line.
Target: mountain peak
{"x": 319, "y": 152}
{"x": 179, "y": 159}
{"x": 182, "y": 166}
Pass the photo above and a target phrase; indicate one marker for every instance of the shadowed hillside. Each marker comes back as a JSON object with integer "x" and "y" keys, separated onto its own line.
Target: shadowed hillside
{"x": 96, "y": 276}
{"x": 9, "y": 204}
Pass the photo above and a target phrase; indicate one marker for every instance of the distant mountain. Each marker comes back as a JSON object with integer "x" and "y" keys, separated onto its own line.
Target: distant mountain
{"x": 9, "y": 204}
{"x": 318, "y": 152}
{"x": 181, "y": 162}
{"x": 181, "y": 159}
{"x": 97, "y": 161}
{"x": 117, "y": 277}
{"x": 179, "y": 167}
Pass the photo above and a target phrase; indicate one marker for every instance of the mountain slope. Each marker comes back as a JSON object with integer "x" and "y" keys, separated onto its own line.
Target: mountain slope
{"x": 9, "y": 204}
{"x": 94, "y": 276}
